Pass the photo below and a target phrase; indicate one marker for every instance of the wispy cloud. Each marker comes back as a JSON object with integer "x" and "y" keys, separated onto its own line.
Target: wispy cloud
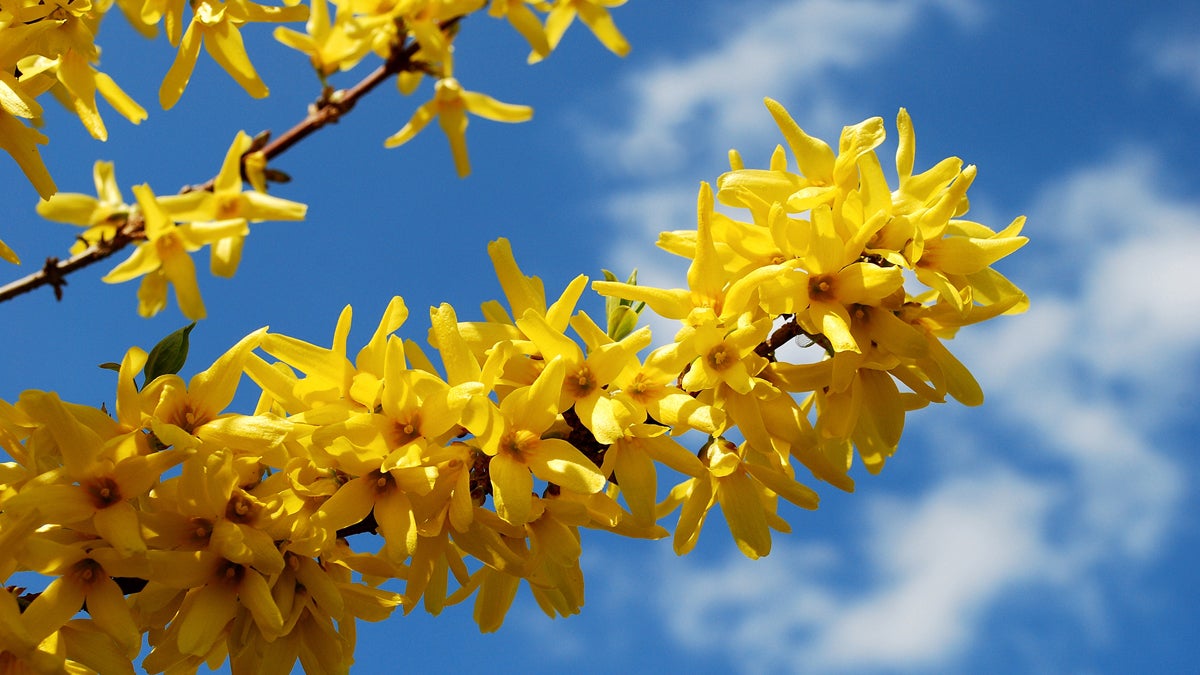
{"x": 1174, "y": 57}
{"x": 933, "y": 564}
{"x": 1088, "y": 369}
{"x": 703, "y": 102}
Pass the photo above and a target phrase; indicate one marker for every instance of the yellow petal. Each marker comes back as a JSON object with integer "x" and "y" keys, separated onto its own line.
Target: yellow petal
{"x": 202, "y": 621}
{"x": 743, "y": 510}
{"x": 255, "y": 595}
{"x": 495, "y": 597}
{"x": 600, "y": 22}
{"x": 489, "y": 108}
{"x": 814, "y": 157}
{"x": 107, "y": 607}
{"x": 561, "y": 463}
{"x": 523, "y": 292}
{"x": 119, "y": 100}
{"x": 638, "y": 480}
{"x": 453, "y": 121}
{"x": 51, "y": 609}
{"x": 226, "y": 255}
{"x": 181, "y": 272}
{"x": 349, "y": 505}
{"x": 69, "y": 207}
{"x": 143, "y": 260}
{"x": 152, "y": 293}
{"x": 177, "y": 76}
{"x": 420, "y": 119}
{"x": 119, "y": 526}
{"x": 8, "y": 255}
{"x": 213, "y": 388}
{"x": 21, "y": 142}
{"x": 691, "y": 516}
{"x": 512, "y": 486}
{"x": 224, "y": 43}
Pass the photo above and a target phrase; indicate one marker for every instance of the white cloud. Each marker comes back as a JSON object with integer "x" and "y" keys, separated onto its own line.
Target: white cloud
{"x": 709, "y": 100}
{"x": 1132, "y": 247}
{"x": 1107, "y": 344}
{"x": 1173, "y": 57}
{"x": 933, "y": 566}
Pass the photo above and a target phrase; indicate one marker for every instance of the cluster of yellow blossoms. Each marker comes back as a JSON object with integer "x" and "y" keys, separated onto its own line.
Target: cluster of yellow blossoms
{"x": 49, "y": 45}
{"x": 229, "y": 536}
{"x": 175, "y": 226}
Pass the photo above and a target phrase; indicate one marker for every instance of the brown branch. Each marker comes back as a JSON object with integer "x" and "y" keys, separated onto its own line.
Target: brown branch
{"x": 53, "y": 272}
{"x": 785, "y": 333}
{"x": 328, "y": 109}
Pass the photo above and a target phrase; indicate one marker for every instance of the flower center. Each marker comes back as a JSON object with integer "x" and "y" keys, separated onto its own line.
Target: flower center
{"x": 822, "y": 287}
{"x": 581, "y": 383}
{"x": 719, "y": 357}
{"x": 104, "y": 491}
{"x": 242, "y": 509}
{"x": 382, "y": 481}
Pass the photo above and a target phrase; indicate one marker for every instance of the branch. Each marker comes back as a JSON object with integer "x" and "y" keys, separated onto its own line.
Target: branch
{"x": 327, "y": 110}
{"x": 786, "y": 332}
{"x": 54, "y": 270}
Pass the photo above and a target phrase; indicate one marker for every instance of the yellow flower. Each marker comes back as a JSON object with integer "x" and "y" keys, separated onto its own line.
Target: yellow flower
{"x": 745, "y": 491}
{"x": 187, "y": 415}
{"x": 229, "y": 206}
{"x": 99, "y": 477}
{"x": 524, "y": 21}
{"x": 101, "y": 215}
{"x": 450, "y": 104}
{"x": 632, "y": 454}
{"x": 587, "y": 378}
{"x": 164, "y": 259}
{"x": 329, "y": 45}
{"x": 329, "y": 376}
{"x": 84, "y": 575}
{"x": 216, "y": 25}
{"x": 217, "y": 591}
{"x": 594, "y": 15}
{"x": 512, "y": 437}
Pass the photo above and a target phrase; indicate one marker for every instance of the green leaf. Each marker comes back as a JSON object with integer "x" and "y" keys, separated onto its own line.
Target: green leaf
{"x": 169, "y": 355}
{"x": 115, "y": 367}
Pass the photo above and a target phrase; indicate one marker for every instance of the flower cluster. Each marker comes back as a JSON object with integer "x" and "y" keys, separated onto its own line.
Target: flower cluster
{"x": 829, "y": 253}
{"x": 477, "y": 464}
{"x": 50, "y": 46}
{"x": 175, "y": 226}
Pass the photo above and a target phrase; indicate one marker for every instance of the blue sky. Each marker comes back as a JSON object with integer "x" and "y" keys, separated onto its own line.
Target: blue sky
{"x": 1044, "y": 532}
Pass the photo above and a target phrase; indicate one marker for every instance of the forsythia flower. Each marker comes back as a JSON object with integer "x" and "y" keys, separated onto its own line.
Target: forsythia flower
{"x": 101, "y": 215}
{"x": 594, "y": 15}
{"x": 231, "y": 535}
{"x": 450, "y": 105}
{"x": 228, "y": 206}
{"x": 217, "y": 26}
{"x": 164, "y": 258}
{"x": 49, "y": 46}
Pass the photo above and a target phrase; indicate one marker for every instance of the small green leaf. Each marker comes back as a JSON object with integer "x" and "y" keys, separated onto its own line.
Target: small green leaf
{"x": 115, "y": 367}
{"x": 622, "y": 314}
{"x": 169, "y": 355}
